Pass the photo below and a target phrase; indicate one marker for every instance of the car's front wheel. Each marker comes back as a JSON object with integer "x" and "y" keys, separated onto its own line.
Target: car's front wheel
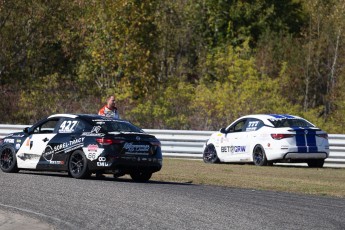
{"x": 259, "y": 156}
{"x": 78, "y": 165}
{"x": 210, "y": 154}
{"x": 141, "y": 176}
{"x": 316, "y": 163}
{"x": 8, "y": 160}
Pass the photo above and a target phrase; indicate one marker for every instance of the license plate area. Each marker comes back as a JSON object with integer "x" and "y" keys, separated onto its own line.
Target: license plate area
{"x": 136, "y": 148}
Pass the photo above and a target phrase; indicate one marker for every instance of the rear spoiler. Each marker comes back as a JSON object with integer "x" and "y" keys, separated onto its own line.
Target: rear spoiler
{"x": 302, "y": 129}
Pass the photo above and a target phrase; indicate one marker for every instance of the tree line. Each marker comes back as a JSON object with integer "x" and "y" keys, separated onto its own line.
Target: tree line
{"x": 174, "y": 64}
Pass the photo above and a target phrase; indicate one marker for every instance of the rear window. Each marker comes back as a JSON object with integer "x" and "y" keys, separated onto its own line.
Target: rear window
{"x": 118, "y": 126}
{"x": 279, "y": 123}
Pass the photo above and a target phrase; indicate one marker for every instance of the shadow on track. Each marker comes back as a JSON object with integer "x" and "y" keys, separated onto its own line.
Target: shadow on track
{"x": 107, "y": 178}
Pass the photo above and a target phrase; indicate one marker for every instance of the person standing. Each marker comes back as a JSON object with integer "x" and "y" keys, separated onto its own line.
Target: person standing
{"x": 110, "y": 109}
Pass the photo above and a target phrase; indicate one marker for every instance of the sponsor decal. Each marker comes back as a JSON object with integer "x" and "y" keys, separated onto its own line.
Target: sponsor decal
{"x": 56, "y": 162}
{"x": 17, "y": 146}
{"x": 130, "y": 147}
{"x": 92, "y": 148}
{"x": 10, "y": 141}
{"x": 69, "y": 146}
{"x": 19, "y": 135}
{"x": 19, "y": 141}
{"x": 233, "y": 149}
{"x": 96, "y": 129}
{"x": 101, "y": 121}
{"x": 48, "y": 155}
{"x": 102, "y": 162}
{"x": 102, "y": 159}
{"x": 89, "y": 134}
{"x": 68, "y": 126}
{"x": 92, "y": 151}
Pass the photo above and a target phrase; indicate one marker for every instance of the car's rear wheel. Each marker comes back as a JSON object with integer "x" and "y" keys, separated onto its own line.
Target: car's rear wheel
{"x": 141, "y": 176}
{"x": 78, "y": 165}
{"x": 316, "y": 163}
{"x": 259, "y": 156}
{"x": 8, "y": 160}
{"x": 210, "y": 154}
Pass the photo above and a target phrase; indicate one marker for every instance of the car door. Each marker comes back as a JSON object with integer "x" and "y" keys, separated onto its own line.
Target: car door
{"x": 251, "y": 137}
{"x": 66, "y": 140}
{"x": 234, "y": 142}
{"x": 30, "y": 153}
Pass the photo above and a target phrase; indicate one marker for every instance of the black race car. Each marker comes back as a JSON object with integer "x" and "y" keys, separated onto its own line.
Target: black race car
{"x": 81, "y": 145}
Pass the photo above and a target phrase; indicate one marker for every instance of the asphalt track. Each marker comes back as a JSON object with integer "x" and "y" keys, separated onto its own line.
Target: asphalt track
{"x": 32, "y": 200}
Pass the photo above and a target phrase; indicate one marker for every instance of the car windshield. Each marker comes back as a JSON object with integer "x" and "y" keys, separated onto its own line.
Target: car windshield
{"x": 118, "y": 126}
{"x": 279, "y": 123}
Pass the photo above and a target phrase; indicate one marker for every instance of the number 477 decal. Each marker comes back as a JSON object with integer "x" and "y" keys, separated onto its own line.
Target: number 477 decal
{"x": 67, "y": 126}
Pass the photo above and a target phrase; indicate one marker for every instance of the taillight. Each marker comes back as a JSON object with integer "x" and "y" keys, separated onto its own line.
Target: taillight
{"x": 323, "y": 135}
{"x": 279, "y": 136}
{"x": 155, "y": 143}
{"x": 108, "y": 141}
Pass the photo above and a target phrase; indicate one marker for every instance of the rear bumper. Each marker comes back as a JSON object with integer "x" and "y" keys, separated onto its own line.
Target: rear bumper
{"x": 296, "y": 156}
{"x": 278, "y": 153}
{"x": 127, "y": 164}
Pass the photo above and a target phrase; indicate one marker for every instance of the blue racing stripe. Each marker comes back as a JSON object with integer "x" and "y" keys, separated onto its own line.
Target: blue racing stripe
{"x": 288, "y": 116}
{"x": 276, "y": 115}
{"x": 300, "y": 140}
{"x": 311, "y": 141}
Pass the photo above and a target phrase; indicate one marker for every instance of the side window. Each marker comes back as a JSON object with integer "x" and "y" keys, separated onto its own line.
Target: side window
{"x": 69, "y": 125}
{"x": 46, "y": 127}
{"x": 238, "y": 127}
{"x": 253, "y": 124}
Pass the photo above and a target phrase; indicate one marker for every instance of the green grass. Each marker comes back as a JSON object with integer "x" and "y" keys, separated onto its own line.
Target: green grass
{"x": 304, "y": 180}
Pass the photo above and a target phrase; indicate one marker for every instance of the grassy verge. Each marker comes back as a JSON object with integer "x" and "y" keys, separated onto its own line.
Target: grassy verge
{"x": 324, "y": 181}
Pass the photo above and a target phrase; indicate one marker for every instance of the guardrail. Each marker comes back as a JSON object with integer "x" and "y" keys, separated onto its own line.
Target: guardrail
{"x": 189, "y": 144}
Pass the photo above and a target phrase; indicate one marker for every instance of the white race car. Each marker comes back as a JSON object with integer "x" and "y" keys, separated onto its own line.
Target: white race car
{"x": 266, "y": 139}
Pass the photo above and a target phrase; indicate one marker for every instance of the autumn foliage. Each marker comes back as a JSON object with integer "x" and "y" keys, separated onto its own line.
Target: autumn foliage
{"x": 174, "y": 64}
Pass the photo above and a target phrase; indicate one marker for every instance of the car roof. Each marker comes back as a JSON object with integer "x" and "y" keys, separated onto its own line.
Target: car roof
{"x": 266, "y": 117}
{"x": 272, "y": 116}
{"x": 85, "y": 116}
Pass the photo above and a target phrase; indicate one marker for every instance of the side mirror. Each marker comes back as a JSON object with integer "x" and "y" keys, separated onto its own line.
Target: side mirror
{"x": 222, "y": 130}
{"x": 26, "y": 130}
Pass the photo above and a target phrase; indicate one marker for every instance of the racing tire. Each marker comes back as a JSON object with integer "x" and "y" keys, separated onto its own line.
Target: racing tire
{"x": 316, "y": 163}
{"x": 77, "y": 165}
{"x": 141, "y": 176}
{"x": 210, "y": 155}
{"x": 8, "y": 160}
{"x": 259, "y": 156}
